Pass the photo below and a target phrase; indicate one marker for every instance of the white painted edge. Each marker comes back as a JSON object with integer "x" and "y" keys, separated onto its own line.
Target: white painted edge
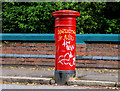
{"x": 29, "y": 78}
{"x": 91, "y": 81}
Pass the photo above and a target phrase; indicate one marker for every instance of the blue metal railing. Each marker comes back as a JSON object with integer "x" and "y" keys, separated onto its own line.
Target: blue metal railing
{"x": 53, "y": 57}
{"x": 80, "y": 38}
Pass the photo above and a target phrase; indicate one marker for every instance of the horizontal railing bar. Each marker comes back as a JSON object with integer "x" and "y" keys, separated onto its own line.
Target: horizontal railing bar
{"x": 27, "y": 56}
{"x": 28, "y": 37}
{"x": 53, "y": 57}
{"x": 80, "y": 38}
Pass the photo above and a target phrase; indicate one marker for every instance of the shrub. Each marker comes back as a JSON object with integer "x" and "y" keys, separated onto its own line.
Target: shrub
{"x": 36, "y": 17}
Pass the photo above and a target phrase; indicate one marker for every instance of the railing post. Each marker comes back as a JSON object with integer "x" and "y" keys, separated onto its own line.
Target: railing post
{"x": 65, "y": 41}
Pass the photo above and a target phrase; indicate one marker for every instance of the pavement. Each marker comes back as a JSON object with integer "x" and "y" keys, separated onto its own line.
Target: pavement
{"x": 44, "y": 75}
{"x": 16, "y": 86}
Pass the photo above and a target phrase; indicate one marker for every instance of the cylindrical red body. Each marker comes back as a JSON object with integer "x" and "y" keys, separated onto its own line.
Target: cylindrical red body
{"x": 65, "y": 39}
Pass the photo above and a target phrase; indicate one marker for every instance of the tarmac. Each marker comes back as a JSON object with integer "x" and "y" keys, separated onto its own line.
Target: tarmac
{"x": 45, "y": 74}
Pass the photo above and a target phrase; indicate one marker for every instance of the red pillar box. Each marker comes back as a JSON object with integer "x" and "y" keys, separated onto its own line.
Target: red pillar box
{"x": 65, "y": 41}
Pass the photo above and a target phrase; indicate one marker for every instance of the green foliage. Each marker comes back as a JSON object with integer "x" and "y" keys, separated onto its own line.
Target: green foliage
{"x": 117, "y": 0}
{"x": 36, "y": 17}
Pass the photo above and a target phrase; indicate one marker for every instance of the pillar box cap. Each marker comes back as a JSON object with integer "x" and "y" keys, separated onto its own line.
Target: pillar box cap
{"x": 66, "y": 13}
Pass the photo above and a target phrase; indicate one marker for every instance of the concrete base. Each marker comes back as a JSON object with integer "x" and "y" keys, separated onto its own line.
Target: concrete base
{"x": 61, "y": 77}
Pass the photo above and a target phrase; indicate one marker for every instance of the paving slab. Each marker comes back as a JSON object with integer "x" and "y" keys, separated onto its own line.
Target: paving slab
{"x": 48, "y": 72}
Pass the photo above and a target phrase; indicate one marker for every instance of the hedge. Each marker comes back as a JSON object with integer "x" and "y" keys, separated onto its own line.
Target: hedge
{"x": 36, "y": 17}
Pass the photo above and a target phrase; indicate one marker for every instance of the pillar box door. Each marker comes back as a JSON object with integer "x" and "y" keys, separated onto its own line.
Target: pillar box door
{"x": 65, "y": 41}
